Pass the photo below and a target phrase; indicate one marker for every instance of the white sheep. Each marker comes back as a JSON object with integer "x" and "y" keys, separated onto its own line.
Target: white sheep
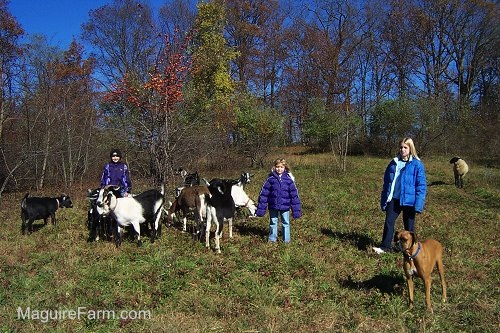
{"x": 460, "y": 169}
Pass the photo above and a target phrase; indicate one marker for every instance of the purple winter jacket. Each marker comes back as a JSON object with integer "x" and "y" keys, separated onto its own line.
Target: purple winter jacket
{"x": 279, "y": 193}
{"x": 116, "y": 174}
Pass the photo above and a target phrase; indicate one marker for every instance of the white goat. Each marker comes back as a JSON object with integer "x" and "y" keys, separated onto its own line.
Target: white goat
{"x": 460, "y": 169}
{"x": 241, "y": 199}
{"x": 146, "y": 206}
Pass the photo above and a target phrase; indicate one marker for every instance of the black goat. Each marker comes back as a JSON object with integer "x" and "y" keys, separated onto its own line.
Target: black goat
{"x": 37, "y": 208}
{"x": 220, "y": 207}
{"x": 99, "y": 226}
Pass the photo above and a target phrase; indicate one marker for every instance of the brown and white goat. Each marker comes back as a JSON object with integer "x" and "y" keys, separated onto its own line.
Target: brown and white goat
{"x": 190, "y": 199}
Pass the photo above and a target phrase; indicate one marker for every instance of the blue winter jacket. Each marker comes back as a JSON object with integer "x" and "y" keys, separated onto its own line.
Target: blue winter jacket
{"x": 279, "y": 193}
{"x": 413, "y": 184}
{"x": 116, "y": 174}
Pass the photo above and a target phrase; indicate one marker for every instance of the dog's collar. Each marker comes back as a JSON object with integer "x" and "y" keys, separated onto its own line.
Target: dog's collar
{"x": 58, "y": 204}
{"x": 413, "y": 256}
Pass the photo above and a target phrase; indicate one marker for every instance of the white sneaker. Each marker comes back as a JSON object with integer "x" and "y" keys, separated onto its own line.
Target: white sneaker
{"x": 378, "y": 250}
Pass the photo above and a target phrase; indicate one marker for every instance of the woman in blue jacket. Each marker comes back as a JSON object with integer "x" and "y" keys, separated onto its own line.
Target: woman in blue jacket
{"x": 279, "y": 193}
{"x": 404, "y": 190}
{"x": 116, "y": 173}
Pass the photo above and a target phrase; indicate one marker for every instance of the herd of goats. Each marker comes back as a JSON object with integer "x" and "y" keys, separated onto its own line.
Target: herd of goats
{"x": 109, "y": 213}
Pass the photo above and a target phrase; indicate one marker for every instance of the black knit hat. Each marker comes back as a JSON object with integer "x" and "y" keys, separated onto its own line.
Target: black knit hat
{"x": 115, "y": 152}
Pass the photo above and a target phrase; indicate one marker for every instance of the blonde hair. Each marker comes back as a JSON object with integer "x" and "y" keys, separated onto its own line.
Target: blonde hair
{"x": 409, "y": 143}
{"x": 281, "y": 161}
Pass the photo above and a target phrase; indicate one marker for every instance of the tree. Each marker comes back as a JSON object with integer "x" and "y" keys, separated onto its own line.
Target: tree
{"x": 126, "y": 39}
{"x": 58, "y": 111}
{"x": 398, "y": 34}
{"x": 257, "y": 128}
{"x": 76, "y": 113}
{"x": 10, "y": 31}
{"x": 177, "y": 15}
{"x": 324, "y": 127}
{"x": 391, "y": 121}
{"x": 211, "y": 57}
{"x": 472, "y": 32}
{"x": 151, "y": 106}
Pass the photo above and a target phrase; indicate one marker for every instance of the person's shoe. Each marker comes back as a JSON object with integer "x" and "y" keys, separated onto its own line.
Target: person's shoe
{"x": 378, "y": 250}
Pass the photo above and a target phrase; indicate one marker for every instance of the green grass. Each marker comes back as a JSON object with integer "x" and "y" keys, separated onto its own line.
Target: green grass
{"x": 326, "y": 280}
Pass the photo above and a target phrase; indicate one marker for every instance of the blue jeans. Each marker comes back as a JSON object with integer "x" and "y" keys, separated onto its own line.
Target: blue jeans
{"x": 273, "y": 225}
{"x": 391, "y": 214}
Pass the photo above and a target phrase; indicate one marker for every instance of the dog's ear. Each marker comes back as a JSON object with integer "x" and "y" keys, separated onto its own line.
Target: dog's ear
{"x": 413, "y": 237}
{"x": 396, "y": 236}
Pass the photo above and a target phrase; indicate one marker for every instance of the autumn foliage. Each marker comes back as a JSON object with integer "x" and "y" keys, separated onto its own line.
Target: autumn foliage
{"x": 152, "y": 104}
{"x": 163, "y": 88}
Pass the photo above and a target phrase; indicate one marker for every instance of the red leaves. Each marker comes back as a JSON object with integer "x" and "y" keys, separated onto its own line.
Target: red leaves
{"x": 163, "y": 89}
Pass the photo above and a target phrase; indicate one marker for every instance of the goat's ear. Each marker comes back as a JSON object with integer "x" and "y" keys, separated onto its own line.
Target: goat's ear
{"x": 220, "y": 189}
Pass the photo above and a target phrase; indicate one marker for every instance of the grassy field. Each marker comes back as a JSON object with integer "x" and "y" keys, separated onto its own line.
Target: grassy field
{"x": 326, "y": 280}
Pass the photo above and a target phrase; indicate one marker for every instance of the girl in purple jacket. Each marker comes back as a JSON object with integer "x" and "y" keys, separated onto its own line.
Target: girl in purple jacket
{"x": 116, "y": 173}
{"x": 279, "y": 194}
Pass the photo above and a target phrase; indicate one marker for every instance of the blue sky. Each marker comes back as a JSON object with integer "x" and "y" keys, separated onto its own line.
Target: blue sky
{"x": 58, "y": 20}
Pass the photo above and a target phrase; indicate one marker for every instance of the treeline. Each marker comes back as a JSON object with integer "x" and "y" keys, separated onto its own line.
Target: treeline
{"x": 218, "y": 83}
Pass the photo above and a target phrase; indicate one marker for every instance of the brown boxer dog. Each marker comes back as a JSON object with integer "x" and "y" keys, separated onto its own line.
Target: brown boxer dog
{"x": 420, "y": 258}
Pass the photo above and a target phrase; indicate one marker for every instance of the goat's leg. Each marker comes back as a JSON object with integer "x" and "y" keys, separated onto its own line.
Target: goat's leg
{"x": 230, "y": 226}
{"x": 137, "y": 229}
{"x": 118, "y": 235}
{"x": 218, "y": 232}
{"x": 184, "y": 223}
{"x": 30, "y": 226}
{"x": 23, "y": 225}
{"x": 156, "y": 227}
{"x": 207, "y": 228}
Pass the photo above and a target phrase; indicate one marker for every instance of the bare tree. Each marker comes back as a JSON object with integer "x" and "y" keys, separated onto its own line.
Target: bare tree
{"x": 125, "y": 38}
{"x": 177, "y": 15}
